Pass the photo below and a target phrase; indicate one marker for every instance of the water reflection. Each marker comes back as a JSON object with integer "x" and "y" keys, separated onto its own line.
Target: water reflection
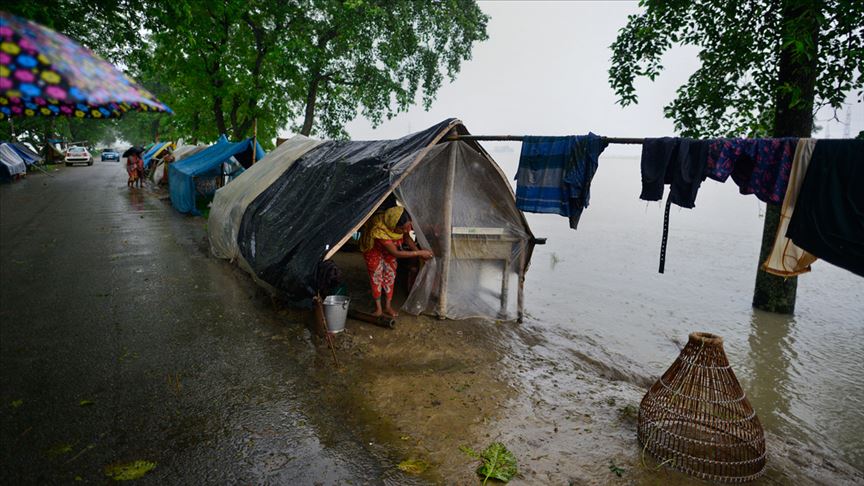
{"x": 771, "y": 354}
{"x": 136, "y": 199}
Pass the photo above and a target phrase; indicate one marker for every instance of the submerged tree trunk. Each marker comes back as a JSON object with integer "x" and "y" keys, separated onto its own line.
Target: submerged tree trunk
{"x": 793, "y": 117}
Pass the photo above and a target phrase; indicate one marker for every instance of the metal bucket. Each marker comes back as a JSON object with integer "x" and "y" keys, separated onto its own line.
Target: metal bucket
{"x": 336, "y": 312}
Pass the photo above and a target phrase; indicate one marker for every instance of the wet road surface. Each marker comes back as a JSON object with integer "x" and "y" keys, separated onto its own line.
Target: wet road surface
{"x": 120, "y": 340}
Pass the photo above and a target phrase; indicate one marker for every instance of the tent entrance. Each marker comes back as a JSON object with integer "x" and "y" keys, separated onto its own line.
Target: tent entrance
{"x": 464, "y": 211}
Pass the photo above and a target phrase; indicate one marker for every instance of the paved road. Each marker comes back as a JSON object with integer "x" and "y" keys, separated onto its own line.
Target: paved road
{"x": 108, "y": 296}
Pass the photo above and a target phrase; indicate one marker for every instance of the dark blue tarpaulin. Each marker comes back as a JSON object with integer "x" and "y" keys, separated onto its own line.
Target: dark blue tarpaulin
{"x": 207, "y": 163}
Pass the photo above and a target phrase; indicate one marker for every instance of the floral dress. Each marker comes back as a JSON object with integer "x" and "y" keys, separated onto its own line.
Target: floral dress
{"x": 381, "y": 266}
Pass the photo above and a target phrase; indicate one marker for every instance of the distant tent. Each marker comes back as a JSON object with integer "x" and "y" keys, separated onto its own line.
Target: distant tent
{"x": 231, "y": 201}
{"x": 202, "y": 173}
{"x": 52, "y": 152}
{"x": 11, "y": 164}
{"x": 26, "y": 153}
{"x": 461, "y": 202}
{"x": 184, "y": 151}
{"x": 154, "y": 152}
{"x": 178, "y": 154}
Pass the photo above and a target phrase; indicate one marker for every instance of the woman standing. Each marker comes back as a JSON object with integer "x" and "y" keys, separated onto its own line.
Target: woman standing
{"x": 381, "y": 244}
{"x": 133, "y": 157}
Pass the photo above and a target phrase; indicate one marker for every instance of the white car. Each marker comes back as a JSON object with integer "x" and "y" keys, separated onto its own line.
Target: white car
{"x": 78, "y": 155}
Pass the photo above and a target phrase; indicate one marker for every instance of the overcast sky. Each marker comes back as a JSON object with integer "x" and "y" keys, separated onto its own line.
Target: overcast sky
{"x": 543, "y": 71}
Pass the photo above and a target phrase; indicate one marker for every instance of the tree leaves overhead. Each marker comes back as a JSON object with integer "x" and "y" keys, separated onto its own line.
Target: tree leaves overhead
{"x": 324, "y": 62}
{"x": 311, "y": 65}
{"x": 374, "y": 57}
{"x": 735, "y": 90}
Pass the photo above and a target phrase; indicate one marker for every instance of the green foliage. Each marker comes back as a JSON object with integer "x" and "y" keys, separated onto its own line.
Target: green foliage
{"x": 16, "y": 403}
{"x": 224, "y": 65}
{"x": 108, "y": 27}
{"x": 614, "y": 469}
{"x": 129, "y": 471}
{"x": 375, "y": 57}
{"x": 498, "y": 462}
{"x": 736, "y": 89}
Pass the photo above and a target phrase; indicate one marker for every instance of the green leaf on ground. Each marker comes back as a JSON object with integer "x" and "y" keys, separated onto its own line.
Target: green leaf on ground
{"x": 86, "y": 403}
{"x": 413, "y": 466}
{"x": 16, "y": 403}
{"x": 498, "y": 462}
{"x": 618, "y": 471}
{"x": 129, "y": 471}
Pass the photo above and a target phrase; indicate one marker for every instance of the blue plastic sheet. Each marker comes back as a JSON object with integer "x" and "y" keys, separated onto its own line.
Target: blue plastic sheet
{"x": 207, "y": 163}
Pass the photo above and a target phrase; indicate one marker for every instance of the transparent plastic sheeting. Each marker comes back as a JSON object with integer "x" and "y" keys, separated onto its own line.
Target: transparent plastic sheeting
{"x": 490, "y": 243}
{"x": 321, "y": 200}
{"x": 12, "y": 163}
{"x": 231, "y": 201}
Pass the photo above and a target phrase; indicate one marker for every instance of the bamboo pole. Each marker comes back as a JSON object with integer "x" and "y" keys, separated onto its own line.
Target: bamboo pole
{"x": 447, "y": 242}
{"x": 254, "y": 140}
{"x": 519, "y": 138}
{"x": 321, "y": 320}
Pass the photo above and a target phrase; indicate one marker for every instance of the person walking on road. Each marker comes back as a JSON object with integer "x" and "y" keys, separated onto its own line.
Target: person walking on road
{"x": 134, "y": 166}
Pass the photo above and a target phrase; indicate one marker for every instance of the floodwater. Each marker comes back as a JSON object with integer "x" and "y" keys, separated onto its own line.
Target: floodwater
{"x": 596, "y": 292}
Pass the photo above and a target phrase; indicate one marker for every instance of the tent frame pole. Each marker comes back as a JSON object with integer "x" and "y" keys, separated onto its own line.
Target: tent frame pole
{"x": 520, "y": 138}
{"x": 447, "y": 242}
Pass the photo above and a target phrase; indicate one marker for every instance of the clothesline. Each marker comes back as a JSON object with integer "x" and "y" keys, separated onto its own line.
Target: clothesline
{"x": 555, "y": 177}
{"x": 519, "y": 138}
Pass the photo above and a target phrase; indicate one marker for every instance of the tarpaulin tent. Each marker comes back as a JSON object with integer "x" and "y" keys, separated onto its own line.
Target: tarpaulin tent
{"x": 184, "y": 151}
{"x": 461, "y": 202}
{"x": 180, "y": 153}
{"x": 11, "y": 164}
{"x": 29, "y": 156}
{"x": 201, "y": 173}
{"x": 231, "y": 201}
{"x": 154, "y": 151}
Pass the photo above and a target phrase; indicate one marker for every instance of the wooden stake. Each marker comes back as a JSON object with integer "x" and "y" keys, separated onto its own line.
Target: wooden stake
{"x": 254, "y": 139}
{"x": 322, "y": 326}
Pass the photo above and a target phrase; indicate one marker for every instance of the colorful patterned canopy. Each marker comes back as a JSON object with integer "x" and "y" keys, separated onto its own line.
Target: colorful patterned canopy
{"x": 43, "y": 73}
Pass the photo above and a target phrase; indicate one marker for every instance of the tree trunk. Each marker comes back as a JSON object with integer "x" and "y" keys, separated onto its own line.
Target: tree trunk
{"x": 219, "y": 115}
{"x": 793, "y": 117}
{"x": 311, "y": 97}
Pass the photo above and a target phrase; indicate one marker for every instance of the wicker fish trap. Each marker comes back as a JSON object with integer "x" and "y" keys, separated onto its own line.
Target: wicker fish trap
{"x": 697, "y": 419}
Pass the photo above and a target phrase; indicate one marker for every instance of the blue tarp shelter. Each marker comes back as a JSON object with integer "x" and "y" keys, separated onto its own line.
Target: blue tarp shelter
{"x": 185, "y": 177}
{"x": 151, "y": 152}
{"x": 30, "y": 157}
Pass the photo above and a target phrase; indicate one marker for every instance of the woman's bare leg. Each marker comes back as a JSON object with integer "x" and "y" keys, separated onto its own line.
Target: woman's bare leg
{"x": 389, "y": 309}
